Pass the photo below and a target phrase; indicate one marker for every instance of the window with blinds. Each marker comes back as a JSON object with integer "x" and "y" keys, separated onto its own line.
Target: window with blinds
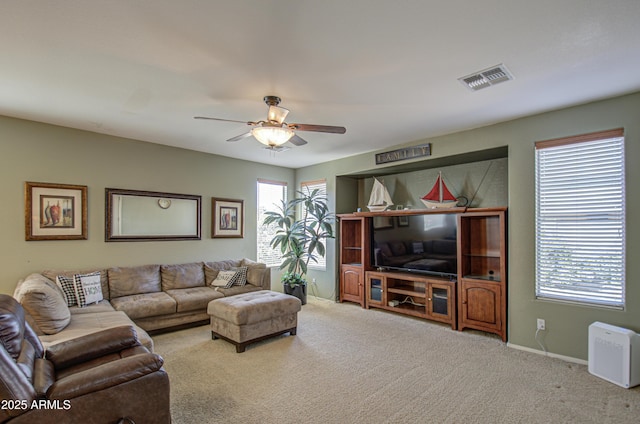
{"x": 580, "y": 219}
{"x": 308, "y": 187}
{"x": 271, "y": 194}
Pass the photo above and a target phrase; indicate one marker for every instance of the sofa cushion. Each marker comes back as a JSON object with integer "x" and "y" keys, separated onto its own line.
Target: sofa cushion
{"x": 220, "y": 265}
{"x": 182, "y": 276}
{"x": 68, "y": 287}
{"x": 51, "y": 274}
{"x": 88, "y": 289}
{"x": 234, "y": 290}
{"x": 45, "y": 304}
{"x": 226, "y": 278}
{"x": 102, "y": 306}
{"x": 398, "y": 248}
{"x": 193, "y": 298}
{"x": 241, "y": 277}
{"x": 255, "y": 273}
{"x": 128, "y": 281}
{"x": 417, "y": 247}
{"x": 145, "y": 305}
{"x": 445, "y": 246}
{"x": 88, "y": 323}
{"x": 385, "y": 249}
{"x": 210, "y": 274}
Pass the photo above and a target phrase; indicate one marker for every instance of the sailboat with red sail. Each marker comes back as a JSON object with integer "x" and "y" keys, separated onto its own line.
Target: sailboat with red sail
{"x": 439, "y": 197}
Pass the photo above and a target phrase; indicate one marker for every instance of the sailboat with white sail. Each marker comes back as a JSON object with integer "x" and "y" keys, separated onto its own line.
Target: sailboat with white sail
{"x": 380, "y": 198}
{"x": 439, "y": 197}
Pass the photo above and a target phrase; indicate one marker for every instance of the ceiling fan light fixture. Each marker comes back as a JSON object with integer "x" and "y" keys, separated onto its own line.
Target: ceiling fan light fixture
{"x": 272, "y": 136}
{"x": 277, "y": 114}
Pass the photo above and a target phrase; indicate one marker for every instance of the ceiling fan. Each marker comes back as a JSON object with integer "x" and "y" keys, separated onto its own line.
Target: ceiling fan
{"x": 274, "y": 132}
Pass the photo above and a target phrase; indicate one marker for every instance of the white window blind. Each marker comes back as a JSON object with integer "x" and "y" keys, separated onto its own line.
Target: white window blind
{"x": 271, "y": 194}
{"x": 580, "y": 219}
{"x": 308, "y": 187}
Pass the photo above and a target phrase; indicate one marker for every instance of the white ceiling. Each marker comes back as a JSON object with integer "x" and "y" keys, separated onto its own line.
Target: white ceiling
{"x": 386, "y": 70}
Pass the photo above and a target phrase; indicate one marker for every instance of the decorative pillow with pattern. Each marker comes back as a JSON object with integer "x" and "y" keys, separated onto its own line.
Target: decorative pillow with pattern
{"x": 88, "y": 288}
{"x": 241, "y": 278}
{"x": 225, "y": 279}
{"x": 68, "y": 288}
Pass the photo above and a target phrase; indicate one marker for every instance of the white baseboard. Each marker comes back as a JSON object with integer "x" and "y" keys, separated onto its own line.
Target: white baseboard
{"x": 552, "y": 355}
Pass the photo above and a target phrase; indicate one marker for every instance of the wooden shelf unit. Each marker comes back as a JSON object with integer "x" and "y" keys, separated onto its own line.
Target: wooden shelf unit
{"x": 482, "y": 285}
{"x": 478, "y": 299}
{"x": 421, "y": 296}
{"x": 354, "y": 257}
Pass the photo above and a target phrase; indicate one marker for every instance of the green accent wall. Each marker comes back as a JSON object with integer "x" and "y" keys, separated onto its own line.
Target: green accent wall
{"x": 32, "y": 151}
{"x": 567, "y": 324}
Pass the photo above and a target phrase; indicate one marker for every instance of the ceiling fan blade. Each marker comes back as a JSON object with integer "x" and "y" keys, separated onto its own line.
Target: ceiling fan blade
{"x": 223, "y": 120}
{"x": 240, "y": 137}
{"x": 277, "y": 114}
{"x": 318, "y": 128}
{"x": 297, "y": 140}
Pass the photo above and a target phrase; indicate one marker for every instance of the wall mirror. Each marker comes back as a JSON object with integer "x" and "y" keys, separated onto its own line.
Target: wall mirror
{"x": 133, "y": 215}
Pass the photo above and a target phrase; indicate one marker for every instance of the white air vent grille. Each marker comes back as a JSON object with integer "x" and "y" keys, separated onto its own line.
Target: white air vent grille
{"x": 488, "y": 77}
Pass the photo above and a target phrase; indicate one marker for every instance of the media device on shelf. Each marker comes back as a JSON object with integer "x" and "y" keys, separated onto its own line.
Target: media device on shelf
{"x": 425, "y": 244}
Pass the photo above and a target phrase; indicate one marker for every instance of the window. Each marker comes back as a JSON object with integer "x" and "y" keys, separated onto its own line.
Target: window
{"x": 308, "y": 187}
{"x": 580, "y": 219}
{"x": 271, "y": 194}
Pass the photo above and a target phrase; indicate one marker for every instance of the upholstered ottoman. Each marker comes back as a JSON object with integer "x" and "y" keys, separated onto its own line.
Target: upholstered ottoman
{"x": 250, "y": 317}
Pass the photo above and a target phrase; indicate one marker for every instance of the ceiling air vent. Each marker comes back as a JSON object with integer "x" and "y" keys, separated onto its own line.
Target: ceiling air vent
{"x": 488, "y": 77}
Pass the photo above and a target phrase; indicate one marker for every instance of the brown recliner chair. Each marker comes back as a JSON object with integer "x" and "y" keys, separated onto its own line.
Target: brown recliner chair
{"x": 105, "y": 377}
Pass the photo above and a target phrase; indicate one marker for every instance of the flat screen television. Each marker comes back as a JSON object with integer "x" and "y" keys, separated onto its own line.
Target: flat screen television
{"x": 425, "y": 244}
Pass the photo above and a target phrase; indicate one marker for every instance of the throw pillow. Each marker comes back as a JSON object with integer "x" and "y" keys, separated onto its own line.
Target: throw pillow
{"x": 45, "y": 305}
{"x": 88, "y": 288}
{"x": 68, "y": 288}
{"x": 417, "y": 247}
{"x": 225, "y": 279}
{"x": 241, "y": 278}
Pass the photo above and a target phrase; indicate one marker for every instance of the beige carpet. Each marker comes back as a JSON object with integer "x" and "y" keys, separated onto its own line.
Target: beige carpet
{"x": 350, "y": 365}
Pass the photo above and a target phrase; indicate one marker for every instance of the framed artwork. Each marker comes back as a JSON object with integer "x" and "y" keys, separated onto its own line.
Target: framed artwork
{"x": 382, "y": 222}
{"x": 403, "y": 221}
{"x": 227, "y": 218}
{"x": 55, "y": 211}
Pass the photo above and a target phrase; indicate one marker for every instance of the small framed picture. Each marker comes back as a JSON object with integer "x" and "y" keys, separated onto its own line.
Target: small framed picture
{"x": 227, "y": 218}
{"x": 403, "y": 221}
{"x": 382, "y": 222}
{"x": 55, "y": 211}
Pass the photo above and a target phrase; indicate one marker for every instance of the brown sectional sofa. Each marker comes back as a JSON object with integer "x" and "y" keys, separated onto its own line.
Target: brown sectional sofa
{"x": 149, "y": 297}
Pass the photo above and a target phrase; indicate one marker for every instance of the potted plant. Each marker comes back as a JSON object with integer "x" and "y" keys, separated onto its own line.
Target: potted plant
{"x": 300, "y": 240}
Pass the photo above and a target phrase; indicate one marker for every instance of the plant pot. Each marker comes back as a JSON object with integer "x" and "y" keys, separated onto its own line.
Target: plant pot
{"x": 297, "y": 290}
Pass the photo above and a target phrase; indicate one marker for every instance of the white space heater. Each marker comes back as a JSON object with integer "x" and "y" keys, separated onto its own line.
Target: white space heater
{"x": 614, "y": 354}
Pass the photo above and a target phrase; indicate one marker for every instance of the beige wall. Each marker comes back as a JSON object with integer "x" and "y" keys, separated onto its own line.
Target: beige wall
{"x": 38, "y": 152}
{"x": 567, "y": 324}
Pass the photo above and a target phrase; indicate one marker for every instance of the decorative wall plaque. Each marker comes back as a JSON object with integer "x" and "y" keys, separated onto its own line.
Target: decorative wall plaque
{"x": 404, "y": 154}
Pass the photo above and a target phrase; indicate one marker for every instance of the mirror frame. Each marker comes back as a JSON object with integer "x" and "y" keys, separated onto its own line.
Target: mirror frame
{"x": 110, "y": 194}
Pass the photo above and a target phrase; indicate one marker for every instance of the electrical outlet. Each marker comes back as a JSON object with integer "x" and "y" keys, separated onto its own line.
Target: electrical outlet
{"x": 313, "y": 281}
{"x": 541, "y": 324}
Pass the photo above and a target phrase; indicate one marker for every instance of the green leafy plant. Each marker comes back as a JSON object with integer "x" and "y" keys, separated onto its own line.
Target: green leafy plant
{"x": 301, "y": 240}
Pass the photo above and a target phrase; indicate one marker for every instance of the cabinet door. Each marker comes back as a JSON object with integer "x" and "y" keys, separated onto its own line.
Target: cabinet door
{"x": 375, "y": 289}
{"x": 440, "y": 302}
{"x": 480, "y": 306}
{"x": 351, "y": 279}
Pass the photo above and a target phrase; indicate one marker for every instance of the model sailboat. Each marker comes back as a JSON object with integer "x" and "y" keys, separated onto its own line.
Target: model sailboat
{"x": 380, "y": 198}
{"x": 439, "y": 197}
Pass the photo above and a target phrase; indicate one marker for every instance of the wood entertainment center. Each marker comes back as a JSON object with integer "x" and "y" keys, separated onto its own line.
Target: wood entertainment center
{"x": 474, "y": 296}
